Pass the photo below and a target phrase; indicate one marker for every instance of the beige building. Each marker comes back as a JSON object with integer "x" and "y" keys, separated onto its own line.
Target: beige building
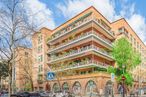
{"x": 23, "y": 68}
{"x": 40, "y": 59}
{"x": 123, "y": 29}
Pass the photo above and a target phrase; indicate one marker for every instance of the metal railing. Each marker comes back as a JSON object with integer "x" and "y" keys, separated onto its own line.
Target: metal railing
{"x": 80, "y": 65}
{"x": 77, "y": 25}
{"x": 79, "y": 51}
{"x": 78, "y": 39}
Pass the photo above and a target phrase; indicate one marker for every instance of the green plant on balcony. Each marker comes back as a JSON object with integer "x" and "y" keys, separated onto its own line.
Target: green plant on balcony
{"x": 100, "y": 69}
{"x": 86, "y": 59}
{"x": 49, "y": 38}
{"x": 73, "y": 36}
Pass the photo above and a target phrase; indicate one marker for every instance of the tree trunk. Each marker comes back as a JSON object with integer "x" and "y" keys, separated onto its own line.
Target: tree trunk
{"x": 31, "y": 82}
{"x": 10, "y": 85}
{"x": 0, "y": 83}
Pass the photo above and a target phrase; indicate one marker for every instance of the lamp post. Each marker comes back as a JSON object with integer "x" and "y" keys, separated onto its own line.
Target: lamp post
{"x": 123, "y": 79}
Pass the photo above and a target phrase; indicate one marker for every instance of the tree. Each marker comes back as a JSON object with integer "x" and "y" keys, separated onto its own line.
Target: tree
{"x": 26, "y": 73}
{"x": 15, "y": 30}
{"x": 3, "y": 72}
{"x": 124, "y": 54}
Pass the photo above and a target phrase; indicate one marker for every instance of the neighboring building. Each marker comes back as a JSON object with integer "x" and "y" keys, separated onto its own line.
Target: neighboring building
{"x": 23, "y": 67}
{"x": 79, "y": 52}
{"x": 123, "y": 29}
{"x": 40, "y": 59}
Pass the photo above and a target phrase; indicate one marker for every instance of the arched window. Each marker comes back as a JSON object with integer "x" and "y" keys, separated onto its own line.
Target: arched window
{"x": 91, "y": 88}
{"x": 56, "y": 87}
{"x": 65, "y": 86}
{"x": 108, "y": 88}
{"x": 77, "y": 88}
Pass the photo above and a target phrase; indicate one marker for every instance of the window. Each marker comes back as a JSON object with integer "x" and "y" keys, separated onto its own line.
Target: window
{"x": 26, "y": 53}
{"x": 121, "y": 30}
{"x": 39, "y": 38}
{"x": 40, "y": 68}
{"x": 134, "y": 41}
{"x": 40, "y": 58}
{"x": 76, "y": 88}
{"x": 131, "y": 38}
{"x": 39, "y": 48}
{"x": 65, "y": 86}
{"x": 91, "y": 87}
{"x": 56, "y": 87}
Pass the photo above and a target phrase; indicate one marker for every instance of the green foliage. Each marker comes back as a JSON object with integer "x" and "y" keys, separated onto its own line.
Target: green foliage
{"x": 4, "y": 70}
{"x": 111, "y": 69}
{"x": 121, "y": 51}
{"x": 27, "y": 87}
{"x": 123, "y": 54}
{"x": 129, "y": 79}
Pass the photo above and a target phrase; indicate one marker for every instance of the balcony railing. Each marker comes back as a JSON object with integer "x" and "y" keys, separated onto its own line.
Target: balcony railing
{"x": 109, "y": 32}
{"x": 77, "y": 25}
{"x": 79, "y": 51}
{"x": 81, "y": 37}
{"x": 81, "y": 65}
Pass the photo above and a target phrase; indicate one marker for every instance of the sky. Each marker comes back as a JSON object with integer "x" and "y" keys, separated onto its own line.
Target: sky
{"x": 52, "y": 13}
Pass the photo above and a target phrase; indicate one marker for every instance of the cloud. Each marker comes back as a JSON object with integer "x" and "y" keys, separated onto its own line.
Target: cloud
{"x": 107, "y": 7}
{"x": 41, "y": 14}
{"x": 138, "y": 23}
{"x": 73, "y": 7}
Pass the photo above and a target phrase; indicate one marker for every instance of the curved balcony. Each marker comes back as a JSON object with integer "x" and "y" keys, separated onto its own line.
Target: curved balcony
{"x": 78, "y": 25}
{"x": 85, "y": 64}
{"x": 82, "y": 37}
{"x": 83, "y": 50}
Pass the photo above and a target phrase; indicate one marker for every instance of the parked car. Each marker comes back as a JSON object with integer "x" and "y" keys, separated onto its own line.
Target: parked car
{"x": 4, "y": 93}
{"x": 63, "y": 94}
{"x": 21, "y": 94}
{"x": 37, "y": 94}
{"x": 144, "y": 90}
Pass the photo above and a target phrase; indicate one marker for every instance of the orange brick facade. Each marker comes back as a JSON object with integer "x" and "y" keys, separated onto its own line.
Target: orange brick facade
{"x": 79, "y": 52}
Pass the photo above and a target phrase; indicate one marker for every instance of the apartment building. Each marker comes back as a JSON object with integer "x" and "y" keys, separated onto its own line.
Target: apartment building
{"x": 79, "y": 52}
{"x": 40, "y": 67}
{"x": 123, "y": 29}
{"x": 23, "y": 68}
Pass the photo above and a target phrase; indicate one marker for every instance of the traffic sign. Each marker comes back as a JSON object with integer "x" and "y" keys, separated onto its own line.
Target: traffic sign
{"x": 123, "y": 78}
{"x": 50, "y": 75}
{"x": 112, "y": 77}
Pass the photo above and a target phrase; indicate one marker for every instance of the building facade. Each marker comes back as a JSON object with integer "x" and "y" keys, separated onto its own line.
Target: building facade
{"x": 23, "y": 68}
{"x": 40, "y": 48}
{"x": 79, "y": 52}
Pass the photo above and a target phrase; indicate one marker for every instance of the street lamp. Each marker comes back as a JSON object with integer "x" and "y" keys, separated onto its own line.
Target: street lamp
{"x": 123, "y": 79}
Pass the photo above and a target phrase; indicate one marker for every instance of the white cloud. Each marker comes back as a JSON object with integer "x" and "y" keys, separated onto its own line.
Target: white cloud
{"x": 107, "y": 8}
{"x": 73, "y": 7}
{"x": 41, "y": 15}
{"x": 138, "y": 23}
